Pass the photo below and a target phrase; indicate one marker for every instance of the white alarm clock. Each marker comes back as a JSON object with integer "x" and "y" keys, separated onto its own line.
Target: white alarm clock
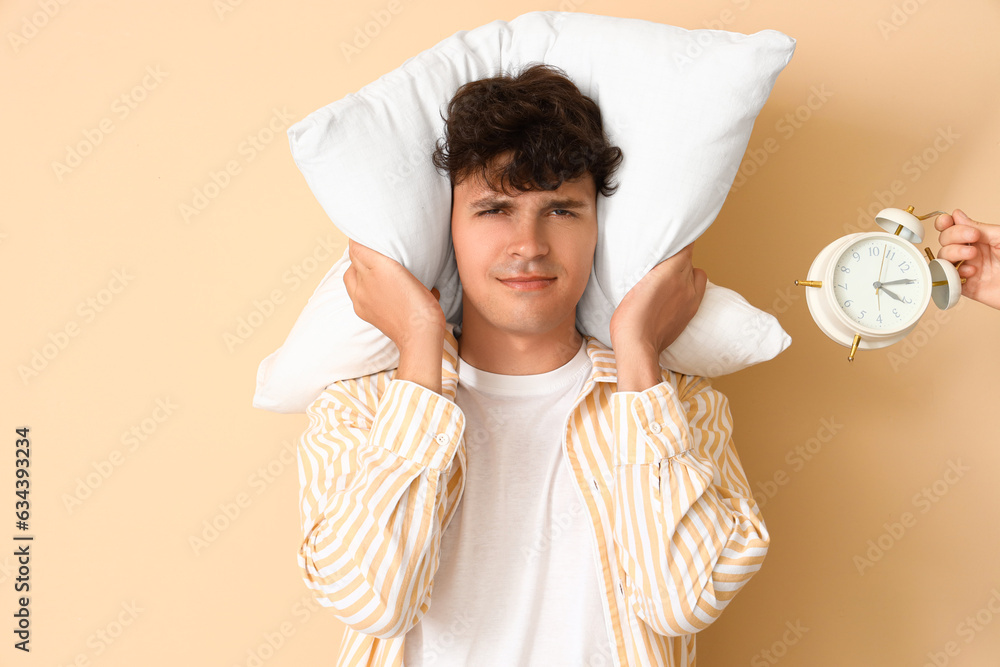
{"x": 869, "y": 289}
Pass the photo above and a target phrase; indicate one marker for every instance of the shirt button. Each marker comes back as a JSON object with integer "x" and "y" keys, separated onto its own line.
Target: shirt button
{"x": 442, "y": 439}
{"x": 655, "y": 427}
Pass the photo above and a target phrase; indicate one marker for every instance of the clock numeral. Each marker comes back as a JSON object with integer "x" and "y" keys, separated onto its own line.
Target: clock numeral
{"x": 844, "y": 286}
{"x": 879, "y": 319}
{"x": 862, "y": 315}
{"x": 907, "y": 299}
{"x": 857, "y": 257}
{"x": 890, "y": 254}
{"x": 904, "y": 267}
{"x": 873, "y": 251}
{"x": 845, "y": 269}
{"x": 847, "y": 304}
{"x": 896, "y": 313}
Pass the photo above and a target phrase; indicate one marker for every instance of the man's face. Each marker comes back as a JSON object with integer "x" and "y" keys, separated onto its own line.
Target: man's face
{"x": 499, "y": 238}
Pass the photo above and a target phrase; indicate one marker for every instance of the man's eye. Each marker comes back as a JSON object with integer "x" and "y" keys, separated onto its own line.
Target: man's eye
{"x": 561, "y": 212}
{"x": 489, "y": 212}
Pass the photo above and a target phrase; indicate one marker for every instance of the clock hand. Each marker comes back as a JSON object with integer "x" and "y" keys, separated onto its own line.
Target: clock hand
{"x": 881, "y": 266}
{"x": 901, "y": 281}
{"x": 890, "y": 293}
{"x": 878, "y": 284}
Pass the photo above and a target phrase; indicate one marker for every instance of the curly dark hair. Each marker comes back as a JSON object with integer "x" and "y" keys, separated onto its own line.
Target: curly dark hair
{"x": 552, "y": 132}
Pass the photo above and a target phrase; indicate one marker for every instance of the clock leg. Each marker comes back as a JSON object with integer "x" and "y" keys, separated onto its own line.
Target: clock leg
{"x": 854, "y": 346}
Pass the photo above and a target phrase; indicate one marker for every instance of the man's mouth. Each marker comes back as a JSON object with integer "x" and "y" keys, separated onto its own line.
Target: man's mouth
{"x": 527, "y": 282}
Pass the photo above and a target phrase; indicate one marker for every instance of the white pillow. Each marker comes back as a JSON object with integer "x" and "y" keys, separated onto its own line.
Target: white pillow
{"x": 680, "y": 104}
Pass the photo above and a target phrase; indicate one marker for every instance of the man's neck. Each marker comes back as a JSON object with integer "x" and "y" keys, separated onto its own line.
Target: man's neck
{"x": 508, "y": 353}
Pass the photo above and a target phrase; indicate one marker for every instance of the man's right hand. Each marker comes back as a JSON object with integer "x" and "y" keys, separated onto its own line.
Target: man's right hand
{"x": 387, "y": 296}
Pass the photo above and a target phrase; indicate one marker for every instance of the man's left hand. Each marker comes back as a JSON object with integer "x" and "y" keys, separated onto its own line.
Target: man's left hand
{"x": 658, "y": 307}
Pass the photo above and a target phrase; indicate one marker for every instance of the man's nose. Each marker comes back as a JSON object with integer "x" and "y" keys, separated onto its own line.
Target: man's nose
{"x": 528, "y": 238}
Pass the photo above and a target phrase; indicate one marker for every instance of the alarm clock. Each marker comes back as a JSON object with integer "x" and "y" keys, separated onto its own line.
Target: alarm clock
{"x": 868, "y": 290}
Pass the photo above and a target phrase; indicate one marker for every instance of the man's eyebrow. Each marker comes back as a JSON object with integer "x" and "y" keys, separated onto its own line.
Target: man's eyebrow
{"x": 491, "y": 202}
{"x": 566, "y": 202}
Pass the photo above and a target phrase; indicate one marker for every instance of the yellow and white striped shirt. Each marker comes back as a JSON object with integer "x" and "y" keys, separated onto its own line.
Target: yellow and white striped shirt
{"x": 382, "y": 470}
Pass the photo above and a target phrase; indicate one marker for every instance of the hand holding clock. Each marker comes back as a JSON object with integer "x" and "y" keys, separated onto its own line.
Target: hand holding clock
{"x": 978, "y": 245}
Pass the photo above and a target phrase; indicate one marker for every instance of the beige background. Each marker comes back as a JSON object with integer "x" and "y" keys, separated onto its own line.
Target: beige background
{"x": 116, "y": 578}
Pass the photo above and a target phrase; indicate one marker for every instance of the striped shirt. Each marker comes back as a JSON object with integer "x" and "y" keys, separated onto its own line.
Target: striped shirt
{"x": 382, "y": 470}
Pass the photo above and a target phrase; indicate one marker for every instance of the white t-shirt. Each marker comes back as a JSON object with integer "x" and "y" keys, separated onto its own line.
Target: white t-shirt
{"x": 517, "y": 582}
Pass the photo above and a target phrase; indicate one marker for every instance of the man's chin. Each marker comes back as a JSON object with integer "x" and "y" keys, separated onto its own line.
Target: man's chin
{"x": 525, "y": 325}
{"x": 518, "y": 315}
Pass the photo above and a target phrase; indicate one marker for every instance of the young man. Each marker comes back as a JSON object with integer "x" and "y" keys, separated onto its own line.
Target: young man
{"x": 519, "y": 494}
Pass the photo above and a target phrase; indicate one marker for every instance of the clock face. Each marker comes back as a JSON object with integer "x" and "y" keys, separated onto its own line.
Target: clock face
{"x": 880, "y": 284}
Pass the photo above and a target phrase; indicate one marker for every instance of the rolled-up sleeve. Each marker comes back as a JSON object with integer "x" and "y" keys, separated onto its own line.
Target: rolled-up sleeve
{"x": 380, "y": 478}
{"x": 688, "y": 533}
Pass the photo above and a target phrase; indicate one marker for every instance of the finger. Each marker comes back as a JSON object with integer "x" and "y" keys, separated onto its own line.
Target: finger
{"x": 350, "y": 278}
{"x": 353, "y": 252}
{"x": 987, "y": 233}
{"x": 700, "y": 282}
{"x": 962, "y": 219}
{"x": 967, "y": 270}
{"x": 682, "y": 256}
{"x": 677, "y": 264}
{"x": 360, "y": 254}
{"x": 959, "y": 234}
{"x": 943, "y": 222}
{"x": 958, "y": 253}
